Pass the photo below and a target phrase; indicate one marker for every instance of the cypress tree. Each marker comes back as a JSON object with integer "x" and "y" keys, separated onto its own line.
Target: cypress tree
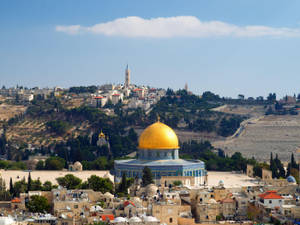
{"x": 273, "y": 166}
{"x": 288, "y": 172}
{"x": 147, "y": 177}
{"x": 293, "y": 162}
{"x": 123, "y": 184}
{"x": 29, "y": 182}
{"x": 11, "y": 187}
{"x": 271, "y": 160}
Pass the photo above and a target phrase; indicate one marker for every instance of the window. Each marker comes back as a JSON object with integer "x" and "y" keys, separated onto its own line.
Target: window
{"x": 270, "y": 201}
{"x": 171, "y": 220}
{"x": 75, "y": 206}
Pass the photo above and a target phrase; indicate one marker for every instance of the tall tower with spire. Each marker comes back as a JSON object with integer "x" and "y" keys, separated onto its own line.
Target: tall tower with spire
{"x": 127, "y": 77}
{"x": 186, "y": 87}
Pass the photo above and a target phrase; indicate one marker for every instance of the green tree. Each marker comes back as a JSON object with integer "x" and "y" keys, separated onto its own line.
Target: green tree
{"x": 69, "y": 181}
{"x": 123, "y": 185}
{"x": 293, "y": 162}
{"x": 4, "y": 194}
{"x": 132, "y": 135}
{"x": 58, "y": 126}
{"x": 36, "y": 185}
{"x": 47, "y": 186}
{"x": 147, "y": 177}
{"x": 11, "y": 187}
{"x": 271, "y": 97}
{"x": 38, "y": 204}
{"x": 40, "y": 165}
{"x": 20, "y": 187}
{"x": 177, "y": 183}
{"x": 54, "y": 163}
{"x": 100, "y": 184}
{"x": 29, "y": 188}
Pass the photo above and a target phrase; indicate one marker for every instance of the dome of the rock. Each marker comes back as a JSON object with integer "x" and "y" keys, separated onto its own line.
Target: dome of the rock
{"x": 158, "y": 136}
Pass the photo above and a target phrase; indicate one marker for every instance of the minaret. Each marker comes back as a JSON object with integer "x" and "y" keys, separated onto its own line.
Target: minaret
{"x": 127, "y": 77}
{"x": 186, "y": 87}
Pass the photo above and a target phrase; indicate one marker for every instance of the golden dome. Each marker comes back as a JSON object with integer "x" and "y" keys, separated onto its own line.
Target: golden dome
{"x": 101, "y": 135}
{"x": 158, "y": 136}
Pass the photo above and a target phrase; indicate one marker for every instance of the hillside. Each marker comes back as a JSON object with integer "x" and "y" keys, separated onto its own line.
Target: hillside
{"x": 188, "y": 114}
{"x": 279, "y": 134}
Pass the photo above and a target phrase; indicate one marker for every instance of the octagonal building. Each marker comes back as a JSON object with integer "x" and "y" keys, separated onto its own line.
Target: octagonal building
{"x": 159, "y": 150}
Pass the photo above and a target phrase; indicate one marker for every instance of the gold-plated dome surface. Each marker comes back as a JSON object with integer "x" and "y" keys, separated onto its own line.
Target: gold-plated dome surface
{"x": 158, "y": 136}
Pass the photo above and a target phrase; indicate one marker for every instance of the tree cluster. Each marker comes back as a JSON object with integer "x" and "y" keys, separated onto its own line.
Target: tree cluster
{"x": 276, "y": 167}
{"x": 38, "y": 204}
{"x": 96, "y": 183}
{"x": 52, "y": 163}
{"x": 293, "y": 169}
{"x": 58, "y": 126}
{"x": 213, "y": 161}
{"x": 24, "y": 186}
{"x": 122, "y": 189}
{"x": 83, "y": 89}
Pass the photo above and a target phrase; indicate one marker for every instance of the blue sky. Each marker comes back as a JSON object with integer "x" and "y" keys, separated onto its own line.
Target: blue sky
{"x": 229, "y": 47}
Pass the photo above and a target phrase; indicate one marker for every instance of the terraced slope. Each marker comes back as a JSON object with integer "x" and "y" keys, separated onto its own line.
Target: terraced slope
{"x": 34, "y": 132}
{"x": 277, "y": 134}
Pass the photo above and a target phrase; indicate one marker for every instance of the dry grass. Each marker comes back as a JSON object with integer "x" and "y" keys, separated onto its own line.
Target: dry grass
{"x": 34, "y": 132}
{"x": 9, "y": 111}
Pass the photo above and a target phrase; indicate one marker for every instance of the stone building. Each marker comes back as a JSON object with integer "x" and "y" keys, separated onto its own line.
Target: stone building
{"x": 207, "y": 213}
{"x": 77, "y": 166}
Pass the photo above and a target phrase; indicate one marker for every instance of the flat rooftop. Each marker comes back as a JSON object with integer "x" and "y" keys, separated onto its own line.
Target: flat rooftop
{"x": 231, "y": 179}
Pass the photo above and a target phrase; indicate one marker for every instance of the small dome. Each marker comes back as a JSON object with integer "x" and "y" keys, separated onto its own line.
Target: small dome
{"x": 6, "y": 220}
{"x": 291, "y": 179}
{"x": 150, "y": 219}
{"x": 108, "y": 195}
{"x": 77, "y": 163}
{"x": 212, "y": 201}
{"x": 136, "y": 200}
{"x": 120, "y": 220}
{"x": 221, "y": 183}
{"x": 158, "y": 136}
{"x": 77, "y": 166}
{"x": 96, "y": 208}
{"x": 151, "y": 189}
{"x": 134, "y": 219}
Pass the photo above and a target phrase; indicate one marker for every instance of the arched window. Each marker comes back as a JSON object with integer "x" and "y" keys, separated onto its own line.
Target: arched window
{"x": 171, "y": 220}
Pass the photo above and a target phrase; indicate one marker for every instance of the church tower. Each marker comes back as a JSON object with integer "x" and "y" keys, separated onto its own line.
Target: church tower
{"x": 186, "y": 87}
{"x": 127, "y": 77}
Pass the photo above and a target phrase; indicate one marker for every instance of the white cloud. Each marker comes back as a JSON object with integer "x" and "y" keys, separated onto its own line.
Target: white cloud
{"x": 73, "y": 29}
{"x": 180, "y": 26}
